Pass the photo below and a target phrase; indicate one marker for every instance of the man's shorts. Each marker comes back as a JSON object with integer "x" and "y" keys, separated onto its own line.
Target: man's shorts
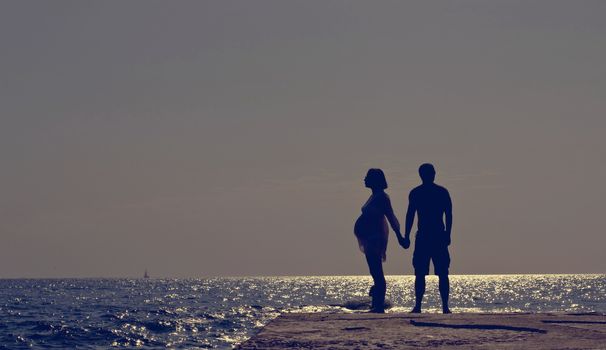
{"x": 430, "y": 246}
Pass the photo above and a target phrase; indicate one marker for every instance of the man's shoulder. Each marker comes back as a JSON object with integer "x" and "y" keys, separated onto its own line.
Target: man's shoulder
{"x": 441, "y": 188}
{"x": 428, "y": 190}
{"x": 415, "y": 191}
{"x": 430, "y": 187}
{"x": 442, "y": 193}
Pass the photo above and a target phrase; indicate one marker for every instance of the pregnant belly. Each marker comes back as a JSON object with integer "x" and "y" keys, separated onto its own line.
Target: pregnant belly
{"x": 368, "y": 227}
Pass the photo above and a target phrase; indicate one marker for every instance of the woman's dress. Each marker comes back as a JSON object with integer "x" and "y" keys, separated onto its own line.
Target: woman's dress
{"x": 371, "y": 228}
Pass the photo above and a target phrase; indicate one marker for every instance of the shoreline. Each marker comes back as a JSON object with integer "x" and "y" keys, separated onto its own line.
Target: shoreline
{"x": 429, "y": 330}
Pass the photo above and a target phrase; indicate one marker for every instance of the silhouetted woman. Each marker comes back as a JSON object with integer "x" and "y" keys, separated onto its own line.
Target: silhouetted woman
{"x": 371, "y": 231}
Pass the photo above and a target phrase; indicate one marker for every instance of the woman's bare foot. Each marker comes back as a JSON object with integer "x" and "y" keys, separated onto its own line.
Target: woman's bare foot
{"x": 377, "y": 311}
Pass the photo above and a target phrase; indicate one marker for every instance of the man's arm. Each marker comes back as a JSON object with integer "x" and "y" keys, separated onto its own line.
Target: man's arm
{"x": 448, "y": 215}
{"x": 410, "y": 218}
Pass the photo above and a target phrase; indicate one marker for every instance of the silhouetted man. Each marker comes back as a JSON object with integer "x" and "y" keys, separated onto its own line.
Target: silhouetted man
{"x": 432, "y": 204}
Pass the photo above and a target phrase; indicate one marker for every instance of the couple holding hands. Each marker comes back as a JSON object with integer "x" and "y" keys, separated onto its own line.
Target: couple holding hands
{"x": 433, "y": 207}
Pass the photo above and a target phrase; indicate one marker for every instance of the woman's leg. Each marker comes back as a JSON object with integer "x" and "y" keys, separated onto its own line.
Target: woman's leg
{"x": 375, "y": 265}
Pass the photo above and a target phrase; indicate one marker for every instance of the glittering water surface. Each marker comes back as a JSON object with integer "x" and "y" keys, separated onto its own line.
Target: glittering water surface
{"x": 221, "y": 312}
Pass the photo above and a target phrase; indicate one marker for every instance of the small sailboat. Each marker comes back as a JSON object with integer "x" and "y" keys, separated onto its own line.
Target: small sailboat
{"x": 145, "y": 275}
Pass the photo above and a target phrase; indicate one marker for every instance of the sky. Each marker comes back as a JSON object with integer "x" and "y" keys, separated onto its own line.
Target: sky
{"x": 231, "y": 138}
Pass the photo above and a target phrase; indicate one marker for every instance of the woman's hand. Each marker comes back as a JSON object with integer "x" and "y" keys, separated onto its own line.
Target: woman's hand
{"x": 404, "y": 242}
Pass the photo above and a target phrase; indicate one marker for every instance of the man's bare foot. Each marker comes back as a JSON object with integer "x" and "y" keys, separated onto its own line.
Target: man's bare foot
{"x": 377, "y": 311}
{"x": 416, "y": 310}
{"x": 446, "y": 311}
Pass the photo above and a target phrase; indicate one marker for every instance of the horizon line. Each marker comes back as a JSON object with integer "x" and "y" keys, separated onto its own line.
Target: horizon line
{"x": 292, "y": 276}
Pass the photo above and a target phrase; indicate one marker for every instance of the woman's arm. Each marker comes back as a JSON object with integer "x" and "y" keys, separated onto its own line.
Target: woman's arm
{"x": 391, "y": 217}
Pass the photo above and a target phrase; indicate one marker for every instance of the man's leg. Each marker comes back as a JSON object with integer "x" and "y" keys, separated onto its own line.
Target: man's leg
{"x": 441, "y": 261}
{"x": 420, "y": 262}
{"x": 419, "y": 292}
{"x": 444, "y": 291}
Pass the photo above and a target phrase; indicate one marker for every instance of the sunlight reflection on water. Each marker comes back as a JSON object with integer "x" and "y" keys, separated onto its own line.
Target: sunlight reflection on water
{"x": 220, "y": 312}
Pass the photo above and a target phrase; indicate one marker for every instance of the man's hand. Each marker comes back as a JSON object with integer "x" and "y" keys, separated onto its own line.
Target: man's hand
{"x": 447, "y": 238}
{"x": 404, "y": 242}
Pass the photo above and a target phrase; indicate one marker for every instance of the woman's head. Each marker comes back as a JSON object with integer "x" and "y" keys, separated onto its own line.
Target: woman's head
{"x": 375, "y": 179}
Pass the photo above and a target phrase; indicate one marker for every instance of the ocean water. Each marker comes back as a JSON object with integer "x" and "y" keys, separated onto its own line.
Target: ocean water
{"x": 221, "y": 312}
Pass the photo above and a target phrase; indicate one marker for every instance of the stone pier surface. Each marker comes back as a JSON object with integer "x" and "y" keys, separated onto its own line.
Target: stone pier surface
{"x": 418, "y": 331}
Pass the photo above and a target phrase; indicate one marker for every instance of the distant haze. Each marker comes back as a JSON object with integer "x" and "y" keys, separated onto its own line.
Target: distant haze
{"x": 199, "y": 138}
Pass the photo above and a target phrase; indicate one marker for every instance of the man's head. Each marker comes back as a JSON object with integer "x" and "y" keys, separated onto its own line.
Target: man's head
{"x": 427, "y": 173}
